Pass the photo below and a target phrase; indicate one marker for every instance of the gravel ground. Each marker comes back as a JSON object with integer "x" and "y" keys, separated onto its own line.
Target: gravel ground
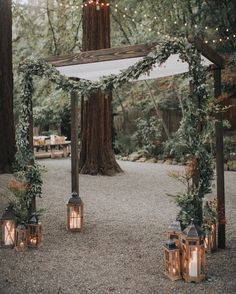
{"x": 120, "y": 250}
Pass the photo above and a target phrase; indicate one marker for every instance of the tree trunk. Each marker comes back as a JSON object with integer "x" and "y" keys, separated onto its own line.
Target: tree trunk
{"x": 7, "y": 128}
{"x": 96, "y": 155}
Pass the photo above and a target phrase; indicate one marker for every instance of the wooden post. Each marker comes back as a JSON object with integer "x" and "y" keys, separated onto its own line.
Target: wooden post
{"x": 31, "y": 146}
{"x": 74, "y": 143}
{"x": 220, "y": 164}
{"x": 7, "y": 127}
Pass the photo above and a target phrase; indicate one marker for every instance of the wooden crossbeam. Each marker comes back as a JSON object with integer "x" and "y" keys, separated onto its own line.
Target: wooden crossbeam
{"x": 207, "y": 52}
{"x": 101, "y": 55}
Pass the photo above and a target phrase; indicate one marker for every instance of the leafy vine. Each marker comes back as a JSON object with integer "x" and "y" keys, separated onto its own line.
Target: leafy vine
{"x": 191, "y": 133}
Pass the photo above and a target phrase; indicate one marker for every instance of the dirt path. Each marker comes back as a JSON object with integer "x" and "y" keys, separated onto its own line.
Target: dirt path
{"x": 120, "y": 250}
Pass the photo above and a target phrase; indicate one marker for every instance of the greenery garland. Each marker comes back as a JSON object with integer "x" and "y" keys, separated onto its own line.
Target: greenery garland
{"x": 192, "y": 132}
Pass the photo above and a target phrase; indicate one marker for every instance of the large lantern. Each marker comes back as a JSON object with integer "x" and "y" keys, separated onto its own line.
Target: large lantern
{"x": 8, "y": 228}
{"x": 193, "y": 255}
{"x": 74, "y": 213}
{"x": 210, "y": 240}
{"x": 174, "y": 232}
{"x": 21, "y": 238}
{"x": 34, "y": 232}
{"x": 172, "y": 260}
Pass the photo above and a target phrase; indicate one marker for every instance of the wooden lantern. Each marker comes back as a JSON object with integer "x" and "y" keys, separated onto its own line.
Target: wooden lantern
{"x": 210, "y": 240}
{"x": 193, "y": 255}
{"x": 74, "y": 213}
{"x": 8, "y": 228}
{"x": 174, "y": 232}
{"x": 34, "y": 232}
{"x": 21, "y": 238}
{"x": 172, "y": 261}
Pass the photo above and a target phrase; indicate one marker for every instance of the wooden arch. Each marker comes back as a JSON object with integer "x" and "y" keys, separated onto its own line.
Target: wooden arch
{"x": 135, "y": 51}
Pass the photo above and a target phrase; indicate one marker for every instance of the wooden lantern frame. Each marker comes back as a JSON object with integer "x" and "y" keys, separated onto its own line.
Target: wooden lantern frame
{"x": 21, "y": 238}
{"x": 172, "y": 261}
{"x": 34, "y": 232}
{"x": 8, "y": 228}
{"x": 193, "y": 255}
{"x": 75, "y": 206}
{"x": 210, "y": 240}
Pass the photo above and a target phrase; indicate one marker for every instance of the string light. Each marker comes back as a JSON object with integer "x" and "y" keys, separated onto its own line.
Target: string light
{"x": 117, "y": 9}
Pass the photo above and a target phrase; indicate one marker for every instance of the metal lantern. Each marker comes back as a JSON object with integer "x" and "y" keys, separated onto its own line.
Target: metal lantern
{"x": 174, "y": 232}
{"x": 34, "y": 232}
{"x": 74, "y": 213}
{"x": 8, "y": 228}
{"x": 21, "y": 238}
{"x": 210, "y": 240}
{"x": 172, "y": 260}
{"x": 193, "y": 255}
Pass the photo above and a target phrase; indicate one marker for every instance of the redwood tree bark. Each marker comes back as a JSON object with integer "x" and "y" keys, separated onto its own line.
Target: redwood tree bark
{"x": 96, "y": 155}
{"x": 7, "y": 128}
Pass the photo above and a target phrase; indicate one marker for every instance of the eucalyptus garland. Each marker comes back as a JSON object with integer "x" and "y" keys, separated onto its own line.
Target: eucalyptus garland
{"x": 192, "y": 132}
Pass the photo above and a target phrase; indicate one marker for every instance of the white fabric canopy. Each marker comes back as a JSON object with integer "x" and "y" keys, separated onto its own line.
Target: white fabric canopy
{"x": 94, "y": 71}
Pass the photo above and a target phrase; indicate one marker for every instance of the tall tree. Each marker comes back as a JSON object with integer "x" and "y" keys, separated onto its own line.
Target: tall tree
{"x": 7, "y": 129}
{"x": 96, "y": 156}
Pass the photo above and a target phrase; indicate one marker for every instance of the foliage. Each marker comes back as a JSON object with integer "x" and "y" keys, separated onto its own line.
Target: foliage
{"x": 192, "y": 133}
{"x": 148, "y": 135}
{"x": 27, "y": 171}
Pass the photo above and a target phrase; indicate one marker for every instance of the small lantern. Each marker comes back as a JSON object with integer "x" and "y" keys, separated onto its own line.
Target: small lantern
{"x": 193, "y": 255}
{"x": 8, "y": 228}
{"x": 174, "y": 232}
{"x": 21, "y": 238}
{"x": 172, "y": 260}
{"x": 210, "y": 242}
{"x": 74, "y": 213}
{"x": 34, "y": 232}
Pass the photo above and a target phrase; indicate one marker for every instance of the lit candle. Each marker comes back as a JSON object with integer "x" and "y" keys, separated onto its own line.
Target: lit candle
{"x": 33, "y": 240}
{"x": 193, "y": 264}
{"x": 21, "y": 244}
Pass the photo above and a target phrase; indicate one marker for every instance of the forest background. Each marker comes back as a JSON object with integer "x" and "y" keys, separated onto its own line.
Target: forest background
{"x": 145, "y": 114}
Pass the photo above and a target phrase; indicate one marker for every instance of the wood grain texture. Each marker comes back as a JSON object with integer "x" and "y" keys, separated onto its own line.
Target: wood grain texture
{"x": 7, "y": 128}
{"x": 102, "y": 55}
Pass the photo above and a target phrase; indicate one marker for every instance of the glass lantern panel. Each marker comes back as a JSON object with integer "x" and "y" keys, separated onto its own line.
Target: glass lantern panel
{"x": 33, "y": 235}
{"x": 193, "y": 262}
{"x": 9, "y": 232}
{"x": 75, "y": 218}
